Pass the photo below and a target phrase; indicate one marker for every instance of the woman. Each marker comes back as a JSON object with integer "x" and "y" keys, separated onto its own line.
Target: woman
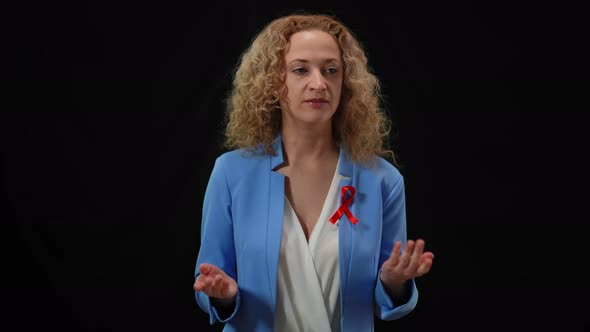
{"x": 304, "y": 221}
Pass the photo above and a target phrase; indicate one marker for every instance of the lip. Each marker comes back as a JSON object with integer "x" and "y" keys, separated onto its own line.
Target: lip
{"x": 316, "y": 100}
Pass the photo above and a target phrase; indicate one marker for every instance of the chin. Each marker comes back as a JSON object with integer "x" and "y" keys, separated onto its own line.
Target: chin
{"x": 309, "y": 115}
{"x": 315, "y": 119}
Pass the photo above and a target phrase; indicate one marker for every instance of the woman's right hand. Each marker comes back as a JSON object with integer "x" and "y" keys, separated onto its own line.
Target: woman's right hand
{"x": 216, "y": 283}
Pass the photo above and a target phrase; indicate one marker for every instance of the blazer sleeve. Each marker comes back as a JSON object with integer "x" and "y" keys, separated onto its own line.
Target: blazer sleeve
{"x": 394, "y": 229}
{"x": 217, "y": 237}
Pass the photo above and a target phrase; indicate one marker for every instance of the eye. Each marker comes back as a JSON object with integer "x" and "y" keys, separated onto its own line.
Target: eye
{"x": 299, "y": 70}
{"x": 331, "y": 70}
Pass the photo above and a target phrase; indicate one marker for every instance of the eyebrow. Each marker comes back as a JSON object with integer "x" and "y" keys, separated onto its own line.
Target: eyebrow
{"x": 306, "y": 61}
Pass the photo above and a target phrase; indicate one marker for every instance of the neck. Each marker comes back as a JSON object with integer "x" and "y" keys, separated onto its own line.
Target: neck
{"x": 308, "y": 144}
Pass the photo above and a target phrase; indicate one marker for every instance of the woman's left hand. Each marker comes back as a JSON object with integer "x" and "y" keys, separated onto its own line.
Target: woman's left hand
{"x": 412, "y": 263}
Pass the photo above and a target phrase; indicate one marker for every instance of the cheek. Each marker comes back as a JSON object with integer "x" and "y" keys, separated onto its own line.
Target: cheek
{"x": 293, "y": 92}
{"x": 287, "y": 100}
{"x": 336, "y": 83}
{"x": 337, "y": 88}
{"x": 337, "y": 94}
{"x": 293, "y": 86}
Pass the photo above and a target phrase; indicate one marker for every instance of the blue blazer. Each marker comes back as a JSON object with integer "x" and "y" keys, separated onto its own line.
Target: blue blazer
{"x": 241, "y": 233}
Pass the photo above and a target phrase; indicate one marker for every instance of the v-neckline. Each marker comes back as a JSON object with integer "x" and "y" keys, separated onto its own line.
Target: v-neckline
{"x": 331, "y": 191}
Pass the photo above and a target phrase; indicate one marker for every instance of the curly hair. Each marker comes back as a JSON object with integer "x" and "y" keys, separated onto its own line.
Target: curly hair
{"x": 254, "y": 118}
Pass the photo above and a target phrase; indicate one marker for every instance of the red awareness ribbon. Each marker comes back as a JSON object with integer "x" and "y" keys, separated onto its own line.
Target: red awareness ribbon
{"x": 343, "y": 209}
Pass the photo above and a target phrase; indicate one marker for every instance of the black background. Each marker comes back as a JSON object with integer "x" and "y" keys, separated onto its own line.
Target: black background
{"x": 114, "y": 120}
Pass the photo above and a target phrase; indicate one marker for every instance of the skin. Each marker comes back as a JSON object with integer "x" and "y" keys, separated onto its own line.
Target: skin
{"x": 314, "y": 70}
{"x": 220, "y": 287}
{"x": 401, "y": 267}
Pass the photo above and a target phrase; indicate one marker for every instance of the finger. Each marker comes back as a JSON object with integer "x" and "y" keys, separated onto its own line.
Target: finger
{"x": 407, "y": 254}
{"x": 197, "y": 286}
{"x": 202, "y": 282}
{"x": 416, "y": 256}
{"x": 208, "y": 269}
{"x": 397, "y": 248}
{"x": 217, "y": 285}
{"x": 418, "y": 249}
{"x": 428, "y": 255}
{"x": 424, "y": 267}
{"x": 204, "y": 285}
{"x": 206, "y": 280}
{"x": 394, "y": 258}
{"x": 208, "y": 290}
{"x": 204, "y": 268}
{"x": 223, "y": 287}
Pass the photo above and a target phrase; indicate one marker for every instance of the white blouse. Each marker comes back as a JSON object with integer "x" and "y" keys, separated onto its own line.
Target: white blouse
{"x": 308, "y": 279}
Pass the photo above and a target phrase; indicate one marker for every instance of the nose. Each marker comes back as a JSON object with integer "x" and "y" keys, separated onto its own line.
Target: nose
{"x": 317, "y": 81}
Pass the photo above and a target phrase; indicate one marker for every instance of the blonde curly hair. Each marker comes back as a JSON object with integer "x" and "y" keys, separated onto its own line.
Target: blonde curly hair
{"x": 254, "y": 118}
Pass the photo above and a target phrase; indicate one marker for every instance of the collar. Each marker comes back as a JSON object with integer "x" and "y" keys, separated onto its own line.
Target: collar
{"x": 345, "y": 164}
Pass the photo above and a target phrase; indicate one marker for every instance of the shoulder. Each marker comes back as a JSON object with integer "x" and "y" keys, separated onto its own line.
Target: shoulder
{"x": 385, "y": 173}
{"x": 241, "y": 157}
{"x": 240, "y": 162}
{"x": 240, "y": 170}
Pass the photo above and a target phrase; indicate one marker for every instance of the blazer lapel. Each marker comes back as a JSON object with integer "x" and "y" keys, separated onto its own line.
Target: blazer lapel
{"x": 275, "y": 219}
{"x": 275, "y": 223}
{"x": 346, "y": 168}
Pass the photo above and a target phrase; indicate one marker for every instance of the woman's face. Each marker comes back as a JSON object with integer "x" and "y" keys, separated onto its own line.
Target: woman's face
{"x": 313, "y": 78}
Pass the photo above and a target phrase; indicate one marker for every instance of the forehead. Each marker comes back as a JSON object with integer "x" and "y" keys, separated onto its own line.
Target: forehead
{"x": 312, "y": 45}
